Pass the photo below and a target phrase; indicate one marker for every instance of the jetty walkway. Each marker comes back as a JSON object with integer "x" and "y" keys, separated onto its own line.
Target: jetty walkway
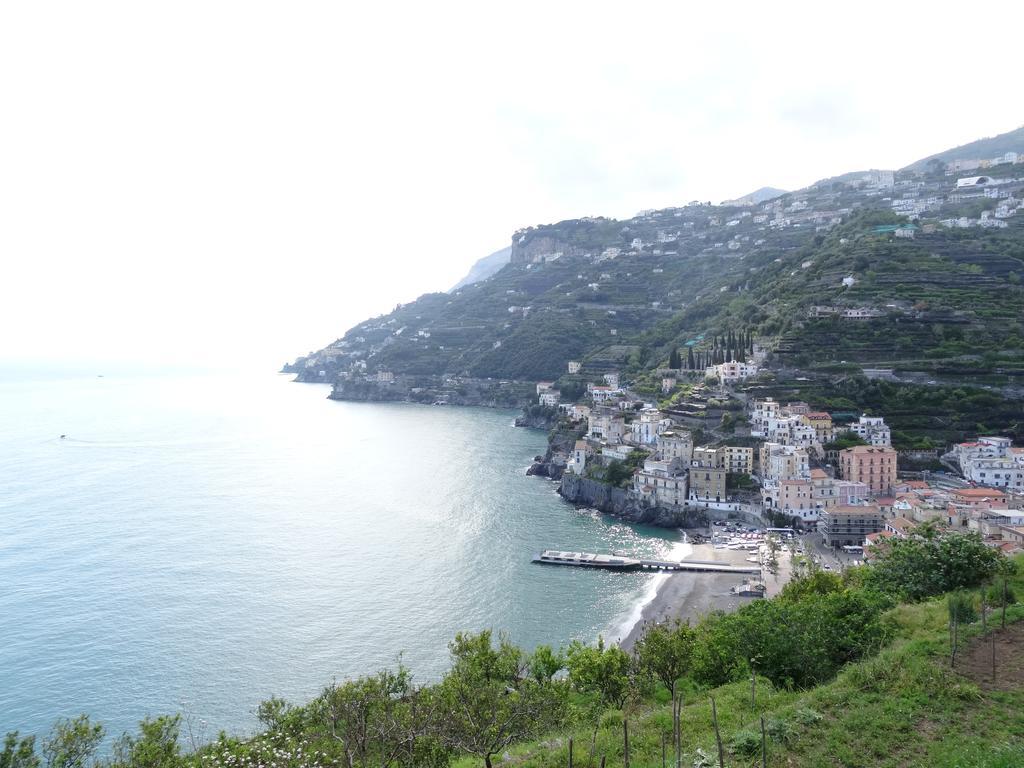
{"x": 620, "y": 563}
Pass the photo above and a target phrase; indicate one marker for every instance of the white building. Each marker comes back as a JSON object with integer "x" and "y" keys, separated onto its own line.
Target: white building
{"x": 731, "y": 372}
{"x": 783, "y": 462}
{"x": 972, "y": 181}
{"x": 872, "y": 430}
{"x": 860, "y": 313}
{"x": 646, "y": 429}
{"x": 604, "y": 425}
{"x": 601, "y": 394}
{"x": 662, "y": 483}
{"x": 577, "y": 412}
{"x": 675, "y": 444}
{"x": 992, "y": 461}
{"x": 792, "y": 430}
{"x": 616, "y": 451}
{"x": 578, "y": 457}
{"x": 761, "y": 412}
{"x": 550, "y": 398}
{"x": 575, "y": 366}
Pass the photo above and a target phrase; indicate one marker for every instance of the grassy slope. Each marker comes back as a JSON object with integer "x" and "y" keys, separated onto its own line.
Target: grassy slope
{"x": 902, "y": 708}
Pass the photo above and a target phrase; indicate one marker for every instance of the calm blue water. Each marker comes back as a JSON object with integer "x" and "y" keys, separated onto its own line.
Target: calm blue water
{"x": 199, "y": 544}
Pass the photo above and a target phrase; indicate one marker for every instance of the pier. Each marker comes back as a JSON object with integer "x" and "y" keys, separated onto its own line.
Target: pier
{"x": 621, "y": 563}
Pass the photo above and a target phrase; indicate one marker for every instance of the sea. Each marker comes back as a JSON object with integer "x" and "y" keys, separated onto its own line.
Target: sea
{"x": 196, "y": 543}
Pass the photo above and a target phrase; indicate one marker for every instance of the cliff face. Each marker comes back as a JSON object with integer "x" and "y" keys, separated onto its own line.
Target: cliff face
{"x": 617, "y": 501}
{"x": 541, "y": 248}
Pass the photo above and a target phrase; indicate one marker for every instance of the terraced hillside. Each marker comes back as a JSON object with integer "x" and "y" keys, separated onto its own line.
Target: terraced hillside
{"x": 914, "y": 272}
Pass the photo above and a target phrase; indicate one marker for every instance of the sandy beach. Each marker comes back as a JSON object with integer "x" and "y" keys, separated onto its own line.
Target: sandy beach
{"x": 688, "y": 596}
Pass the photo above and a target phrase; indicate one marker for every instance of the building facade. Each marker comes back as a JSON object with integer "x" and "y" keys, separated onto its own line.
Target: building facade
{"x": 871, "y": 465}
{"x": 844, "y": 525}
{"x": 707, "y": 484}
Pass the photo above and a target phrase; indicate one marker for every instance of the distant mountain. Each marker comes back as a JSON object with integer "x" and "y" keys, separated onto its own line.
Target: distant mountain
{"x": 757, "y": 196}
{"x": 982, "y": 149}
{"x": 484, "y": 268}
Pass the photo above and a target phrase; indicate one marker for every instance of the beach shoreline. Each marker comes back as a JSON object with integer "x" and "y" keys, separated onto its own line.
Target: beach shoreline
{"x": 688, "y": 596}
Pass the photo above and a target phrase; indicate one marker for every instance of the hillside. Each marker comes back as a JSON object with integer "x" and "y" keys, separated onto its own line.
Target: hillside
{"x": 1011, "y": 141}
{"x": 903, "y": 271}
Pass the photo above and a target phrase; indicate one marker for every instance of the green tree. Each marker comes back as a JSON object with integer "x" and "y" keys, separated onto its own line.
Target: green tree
{"x": 664, "y": 651}
{"x": 72, "y": 743}
{"x": 822, "y": 633}
{"x": 930, "y": 564}
{"x": 383, "y": 720}
{"x": 674, "y": 361}
{"x": 19, "y": 753}
{"x": 607, "y": 671}
{"x": 156, "y": 746}
{"x": 544, "y": 663}
{"x": 489, "y": 703}
{"x": 618, "y": 473}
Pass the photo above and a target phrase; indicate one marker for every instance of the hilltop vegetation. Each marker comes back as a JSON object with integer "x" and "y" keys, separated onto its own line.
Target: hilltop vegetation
{"x": 852, "y": 669}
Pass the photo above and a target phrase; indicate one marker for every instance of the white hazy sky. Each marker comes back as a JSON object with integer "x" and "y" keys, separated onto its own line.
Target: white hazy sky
{"x": 240, "y": 182}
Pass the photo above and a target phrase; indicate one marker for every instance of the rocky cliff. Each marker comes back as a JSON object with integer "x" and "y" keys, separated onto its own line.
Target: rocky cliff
{"x": 560, "y": 445}
{"x": 612, "y": 500}
{"x": 542, "y": 248}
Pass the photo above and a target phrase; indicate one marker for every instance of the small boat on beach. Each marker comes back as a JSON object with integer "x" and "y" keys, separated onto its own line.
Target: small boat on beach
{"x": 749, "y": 589}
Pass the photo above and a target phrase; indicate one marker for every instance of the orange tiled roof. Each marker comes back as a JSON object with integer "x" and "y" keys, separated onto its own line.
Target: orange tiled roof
{"x": 979, "y": 493}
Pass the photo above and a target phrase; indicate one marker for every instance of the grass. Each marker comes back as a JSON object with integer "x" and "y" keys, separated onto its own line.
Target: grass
{"x": 903, "y": 708}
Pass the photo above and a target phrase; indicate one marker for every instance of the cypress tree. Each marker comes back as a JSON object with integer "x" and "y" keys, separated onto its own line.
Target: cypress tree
{"x": 673, "y": 359}
{"x": 690, "y": 362}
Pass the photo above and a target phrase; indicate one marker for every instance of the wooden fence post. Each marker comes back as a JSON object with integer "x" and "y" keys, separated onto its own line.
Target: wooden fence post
{"x": 764, "y": 746}
{"x": 679, "y": 731}
{"x": 993, "y": 657}
{"x": 718, "y": 735}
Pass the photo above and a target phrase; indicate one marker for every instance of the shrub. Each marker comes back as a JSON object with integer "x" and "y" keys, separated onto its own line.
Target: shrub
{"x": 745, "y": 743}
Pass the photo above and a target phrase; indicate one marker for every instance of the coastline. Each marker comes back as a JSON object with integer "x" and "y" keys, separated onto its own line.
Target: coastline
{"x": 689, "y": 596}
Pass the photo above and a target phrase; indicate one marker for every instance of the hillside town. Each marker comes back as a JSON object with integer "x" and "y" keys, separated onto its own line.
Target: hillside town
{"x": 788, "y": 465}
{"x": 880, "y": 275}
